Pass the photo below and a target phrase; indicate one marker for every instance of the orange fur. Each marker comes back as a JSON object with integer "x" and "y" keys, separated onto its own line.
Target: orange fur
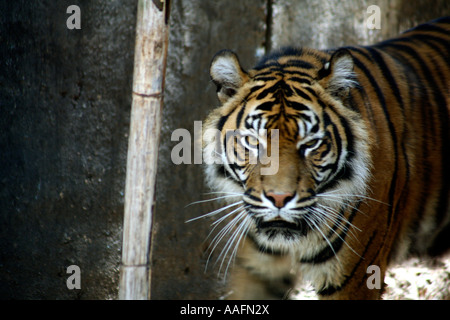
{"x": 362, "y": 152}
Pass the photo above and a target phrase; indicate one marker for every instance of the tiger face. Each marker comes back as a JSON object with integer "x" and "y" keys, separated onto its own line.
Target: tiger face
{"x": 286, "y": 146}
{"x": 334, "y": 163}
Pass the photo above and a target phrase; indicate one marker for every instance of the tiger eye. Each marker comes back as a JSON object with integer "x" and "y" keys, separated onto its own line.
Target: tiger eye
{"x": 311, "y": 143}
{"x": 252, "y": 141}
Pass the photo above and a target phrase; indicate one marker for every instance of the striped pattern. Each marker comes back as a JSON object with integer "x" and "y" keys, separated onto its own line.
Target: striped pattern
{"x": 363, "y": 152}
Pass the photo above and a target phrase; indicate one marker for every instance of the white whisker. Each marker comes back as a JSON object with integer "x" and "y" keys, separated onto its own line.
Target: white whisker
{"x": 336, "y": 220}
{"x": 326, "y": 194}
{"x": 212, "y": 199}
{"x": 222, "y": 233}
{"x": 231, "y": 238}
{"x": 333, "y": 212}
{"x": 321, "y": 216}
{"x": 224, "y": 192}
{"x": 216, "y": 224}
{"x": 309, "y": 219}
{"x": 235, "y": 239}
{"x": 215, "y": 211}
{"x": 218, "y": 221}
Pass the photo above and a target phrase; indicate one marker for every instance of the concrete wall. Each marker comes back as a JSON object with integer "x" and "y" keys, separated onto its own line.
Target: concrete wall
{"x": 198, "y": 30}
{"x": 65, "y": 98}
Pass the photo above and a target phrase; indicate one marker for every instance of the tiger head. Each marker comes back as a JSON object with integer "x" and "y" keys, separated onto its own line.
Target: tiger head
{"x": 285, "y": 144}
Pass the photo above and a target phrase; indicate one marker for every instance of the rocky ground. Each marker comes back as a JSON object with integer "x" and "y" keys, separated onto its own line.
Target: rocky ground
{"x": 419, "y": 280}
{"x": 414, "y": 279}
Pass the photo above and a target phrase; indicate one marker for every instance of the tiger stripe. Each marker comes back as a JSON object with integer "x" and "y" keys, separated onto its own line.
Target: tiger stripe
{"x": 363, "y": 148}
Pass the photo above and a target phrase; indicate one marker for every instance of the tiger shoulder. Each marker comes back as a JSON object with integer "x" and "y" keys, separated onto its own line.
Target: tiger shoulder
{"x": 339, "y": 160}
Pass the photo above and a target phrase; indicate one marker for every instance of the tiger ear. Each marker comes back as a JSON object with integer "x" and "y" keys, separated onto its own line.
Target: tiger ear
{"x": 337, "y": 75}
{"x": 227, "y": 74}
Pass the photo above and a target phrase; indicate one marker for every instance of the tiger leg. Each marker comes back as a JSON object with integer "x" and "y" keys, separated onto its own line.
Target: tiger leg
{"x": 258, "y": 275}
{"x": 358, "y": 287}
{"x": 361, "y": 278}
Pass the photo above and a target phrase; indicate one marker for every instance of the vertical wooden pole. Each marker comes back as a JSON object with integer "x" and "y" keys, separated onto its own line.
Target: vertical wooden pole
{"x": 145, "y": 123}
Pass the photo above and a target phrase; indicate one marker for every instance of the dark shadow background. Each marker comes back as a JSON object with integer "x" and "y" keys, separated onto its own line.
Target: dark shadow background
{"x": 65, "y": 100}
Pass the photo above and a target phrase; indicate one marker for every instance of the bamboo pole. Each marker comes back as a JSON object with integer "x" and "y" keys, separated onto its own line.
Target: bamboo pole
{"x": 145, "y": 123}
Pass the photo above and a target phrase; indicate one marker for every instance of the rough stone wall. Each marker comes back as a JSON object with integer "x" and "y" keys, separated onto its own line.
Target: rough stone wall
{"x": 198, "y": 29}
{"x": 325, "y": 24}
{"x": 65, "y": 98}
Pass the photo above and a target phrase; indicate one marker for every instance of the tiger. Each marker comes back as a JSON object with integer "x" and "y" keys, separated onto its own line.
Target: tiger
{"x": 331, "y": 163}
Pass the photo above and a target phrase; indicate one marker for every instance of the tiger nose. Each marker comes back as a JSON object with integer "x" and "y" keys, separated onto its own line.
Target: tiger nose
{"x": 279, "y": 199}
